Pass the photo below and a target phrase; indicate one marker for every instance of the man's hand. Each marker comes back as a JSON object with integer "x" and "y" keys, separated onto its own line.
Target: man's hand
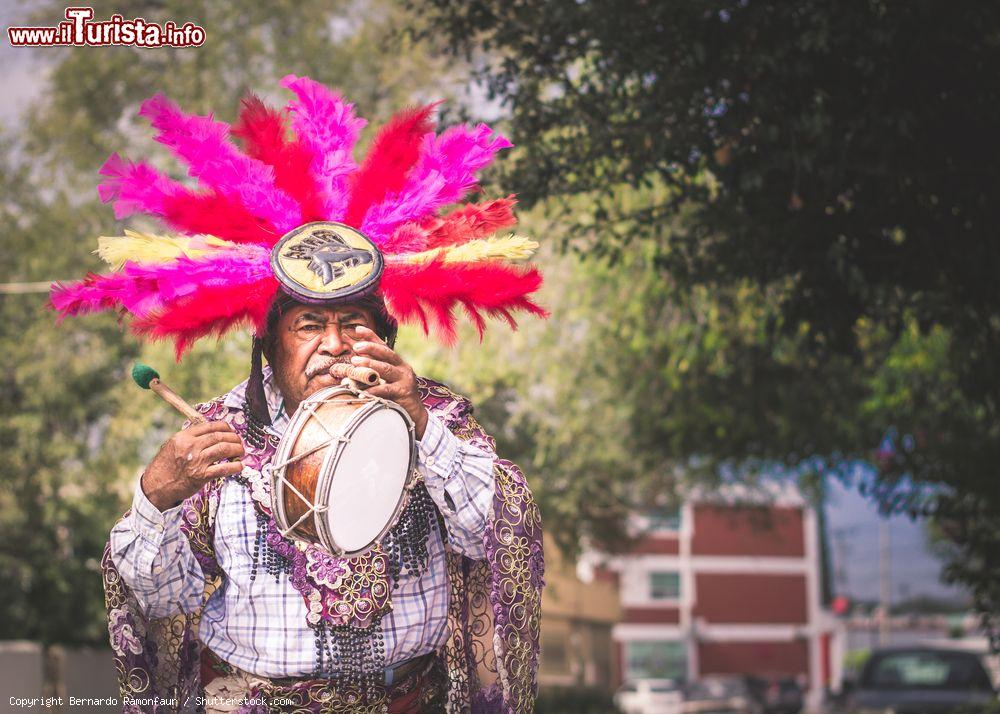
{"x": 190, "y": 458}
{"x": 400, "y": 381}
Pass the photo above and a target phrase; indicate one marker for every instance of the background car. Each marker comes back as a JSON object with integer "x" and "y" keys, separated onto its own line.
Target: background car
{"x": 649, "y": 696}
{"x": 779, "y": 694}
{"x": 723, "y": 694}
{"x": 920, "y": 680}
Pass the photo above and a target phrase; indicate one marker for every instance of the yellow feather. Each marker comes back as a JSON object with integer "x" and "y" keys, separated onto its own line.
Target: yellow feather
{"x": 513, "y": 247}
{"x": 139, "y": 247}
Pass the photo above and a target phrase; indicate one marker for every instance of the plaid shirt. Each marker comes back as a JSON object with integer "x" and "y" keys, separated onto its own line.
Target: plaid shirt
{"x": 260, "y": 625}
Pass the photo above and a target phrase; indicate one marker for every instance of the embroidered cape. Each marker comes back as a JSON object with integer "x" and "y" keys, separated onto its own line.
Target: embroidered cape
{"x": 492, "y": 647}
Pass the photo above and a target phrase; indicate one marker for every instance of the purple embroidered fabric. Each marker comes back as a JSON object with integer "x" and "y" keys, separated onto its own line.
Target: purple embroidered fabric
{"x": 494, "y": 611}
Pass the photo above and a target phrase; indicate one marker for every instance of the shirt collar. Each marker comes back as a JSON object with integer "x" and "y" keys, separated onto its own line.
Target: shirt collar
{"x": 236, "y": 399}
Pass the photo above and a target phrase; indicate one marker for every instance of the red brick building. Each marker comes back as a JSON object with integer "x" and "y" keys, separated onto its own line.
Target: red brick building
{"x": 725, "y": 585}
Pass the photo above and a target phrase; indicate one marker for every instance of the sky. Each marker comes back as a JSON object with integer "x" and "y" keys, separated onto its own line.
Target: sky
{"x": 21, "y": 67}
{"x": 855, "y": 522}
{"x": 852, "y": 519}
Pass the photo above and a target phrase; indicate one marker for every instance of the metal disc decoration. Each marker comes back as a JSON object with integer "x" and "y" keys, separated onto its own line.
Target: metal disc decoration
{"x": 326, "y": 261}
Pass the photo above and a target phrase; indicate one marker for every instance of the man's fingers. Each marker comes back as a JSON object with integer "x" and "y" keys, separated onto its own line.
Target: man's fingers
{"x": 217, "y": 437}
{"x": 220, "y": 451}
{"x": 209, "y": 427}
{"x": 377, "y": 350}
{"x": 372, "y": 345}
{"x": 223, "y": 468}
{"x": 388, "y": 372}
{"x": 369, "y": 335}
{"x": 385, "y": 391}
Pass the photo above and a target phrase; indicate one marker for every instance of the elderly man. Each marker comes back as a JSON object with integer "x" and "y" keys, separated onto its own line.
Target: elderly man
{"x": 211, "y": 604}
{"x": 259, "y": 629}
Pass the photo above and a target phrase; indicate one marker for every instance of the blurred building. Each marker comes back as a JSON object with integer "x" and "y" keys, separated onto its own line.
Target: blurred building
{"x": 577, "y": 619}
{"x": 729, "y": 583}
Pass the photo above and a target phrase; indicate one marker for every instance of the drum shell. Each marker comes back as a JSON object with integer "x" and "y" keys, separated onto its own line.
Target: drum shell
{"x": 341, "y": 410}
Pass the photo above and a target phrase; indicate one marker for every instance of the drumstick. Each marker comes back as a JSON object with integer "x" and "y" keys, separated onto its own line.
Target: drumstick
{"x": 148, "y": 378}
{"x": 364, "y": 375}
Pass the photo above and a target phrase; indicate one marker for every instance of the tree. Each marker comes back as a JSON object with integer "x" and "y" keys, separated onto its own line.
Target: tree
{"x": 55, "y": 392}
{"x": 836, "y": 162}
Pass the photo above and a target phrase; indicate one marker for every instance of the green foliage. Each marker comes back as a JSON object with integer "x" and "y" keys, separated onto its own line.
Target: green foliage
{"x": 56, "y": 392}
{"x": 814, "y": 183}
{"x": 855, "y": 660}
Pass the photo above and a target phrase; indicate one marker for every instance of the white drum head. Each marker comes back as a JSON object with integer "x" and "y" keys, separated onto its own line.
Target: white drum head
{"x": 368, "y": 480}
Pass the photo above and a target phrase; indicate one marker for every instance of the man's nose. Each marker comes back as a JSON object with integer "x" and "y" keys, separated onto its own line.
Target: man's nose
{"x": 332, "y": 343}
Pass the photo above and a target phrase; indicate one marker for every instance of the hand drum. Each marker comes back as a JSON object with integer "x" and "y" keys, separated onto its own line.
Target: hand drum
{"x": 343, "y": 470}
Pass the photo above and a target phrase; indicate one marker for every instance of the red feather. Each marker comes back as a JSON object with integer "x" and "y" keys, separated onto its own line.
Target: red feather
{"x": 461, "y": 225}
{"x": 211, "y": 310}
{"x": 393, "y": 152}
{"x": 217, "y": 215}
{"x": 493, "y": 287}
{"x": 264, "y": 131}
{"x": 475, "y": 220}
{"x": 408, "y": 238}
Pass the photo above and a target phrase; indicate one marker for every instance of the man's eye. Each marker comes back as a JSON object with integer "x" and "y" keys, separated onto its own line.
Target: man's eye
{"x": 310, "y": 327}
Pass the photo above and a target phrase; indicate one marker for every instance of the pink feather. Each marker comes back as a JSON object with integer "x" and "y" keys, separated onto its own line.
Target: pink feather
{"x": 141, "y": 289}
{"x": 94, "y": 293}
{"x": 138, "y": 187}
{"x": 203, "y": 144}
{"x": 445, "y": 173}
{"x": 394, "y": 151}
{"x": 328, "y": 128}
{"x": 264, "y": 133}
{"x": 496, "y": 288}
{"x": 135, "y": 187}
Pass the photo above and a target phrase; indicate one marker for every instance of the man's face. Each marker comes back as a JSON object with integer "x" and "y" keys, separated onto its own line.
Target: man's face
{"x": 307, "y": 341}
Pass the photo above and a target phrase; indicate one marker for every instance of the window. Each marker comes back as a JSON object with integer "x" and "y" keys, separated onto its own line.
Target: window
{"x": 657, "y": 659}
{"x": 664, "y": 518}
{"x": 664, "y": 586}
{"x": 554, "y": 655}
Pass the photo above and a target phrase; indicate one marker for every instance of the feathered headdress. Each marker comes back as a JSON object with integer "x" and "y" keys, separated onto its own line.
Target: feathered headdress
{"x": 295, "y": 212}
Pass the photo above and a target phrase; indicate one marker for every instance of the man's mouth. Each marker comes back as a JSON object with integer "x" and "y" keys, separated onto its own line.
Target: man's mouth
{"x": 324, "y": 368}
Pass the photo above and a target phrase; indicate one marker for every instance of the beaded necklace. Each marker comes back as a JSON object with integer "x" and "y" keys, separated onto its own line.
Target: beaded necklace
{"x": 350, "y": 649}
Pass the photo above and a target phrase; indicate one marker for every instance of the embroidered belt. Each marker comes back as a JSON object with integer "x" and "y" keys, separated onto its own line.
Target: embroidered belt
{"x": 213, "y": 666}
{"x": 419, "y": 686}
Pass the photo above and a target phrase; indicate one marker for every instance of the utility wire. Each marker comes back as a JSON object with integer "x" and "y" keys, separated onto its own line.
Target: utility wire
{"x": 25, "y": 288}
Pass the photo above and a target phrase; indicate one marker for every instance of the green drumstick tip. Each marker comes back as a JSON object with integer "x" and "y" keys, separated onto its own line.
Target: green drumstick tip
{"x": 143, "y": 374}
